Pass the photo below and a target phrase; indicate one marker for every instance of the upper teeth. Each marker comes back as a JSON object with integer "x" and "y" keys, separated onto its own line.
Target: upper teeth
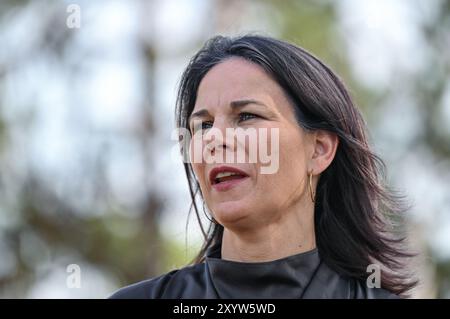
{"x": 224, "y": 174}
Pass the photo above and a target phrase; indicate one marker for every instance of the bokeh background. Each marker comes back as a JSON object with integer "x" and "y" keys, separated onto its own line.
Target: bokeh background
{"x": 87, "y": 171}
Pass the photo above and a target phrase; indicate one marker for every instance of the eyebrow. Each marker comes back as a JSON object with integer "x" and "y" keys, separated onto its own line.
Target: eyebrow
{"x": 234, "y": 105}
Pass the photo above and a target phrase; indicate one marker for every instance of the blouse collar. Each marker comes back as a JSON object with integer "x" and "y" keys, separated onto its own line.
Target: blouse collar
{"x": 287, "y": 277}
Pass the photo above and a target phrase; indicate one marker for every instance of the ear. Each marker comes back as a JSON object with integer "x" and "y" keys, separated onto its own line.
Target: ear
{"x": 325, "y": 144}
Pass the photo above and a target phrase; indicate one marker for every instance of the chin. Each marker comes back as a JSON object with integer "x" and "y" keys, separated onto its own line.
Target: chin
{"x": 230, "y": 214}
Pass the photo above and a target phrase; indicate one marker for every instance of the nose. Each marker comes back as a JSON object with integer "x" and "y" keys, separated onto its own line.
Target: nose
{"x": 217, "y": 138}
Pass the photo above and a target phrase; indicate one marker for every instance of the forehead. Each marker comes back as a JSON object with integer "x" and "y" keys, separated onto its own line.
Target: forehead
{"x": 236, "y": 78}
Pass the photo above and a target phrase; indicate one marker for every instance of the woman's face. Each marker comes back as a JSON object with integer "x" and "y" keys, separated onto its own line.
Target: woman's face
{"x": 257, "y": 199}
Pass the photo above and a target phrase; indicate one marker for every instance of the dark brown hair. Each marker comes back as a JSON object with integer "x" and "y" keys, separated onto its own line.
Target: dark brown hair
{"x": 353, "y": 208}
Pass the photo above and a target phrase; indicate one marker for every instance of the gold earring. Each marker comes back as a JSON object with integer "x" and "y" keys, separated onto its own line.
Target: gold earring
{"x": 311, "y": 188}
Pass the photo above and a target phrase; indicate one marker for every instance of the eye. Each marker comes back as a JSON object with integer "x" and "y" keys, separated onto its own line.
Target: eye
{"x": 206, "y": 125}
{"x": 202, "y": 126}
{"x": 247, "y": 116}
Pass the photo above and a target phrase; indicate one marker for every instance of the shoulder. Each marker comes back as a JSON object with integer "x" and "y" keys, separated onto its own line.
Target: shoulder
{"x": 163, "y": 286}
{"x": 329, "y": 284}
{"x": 362, "y": 291}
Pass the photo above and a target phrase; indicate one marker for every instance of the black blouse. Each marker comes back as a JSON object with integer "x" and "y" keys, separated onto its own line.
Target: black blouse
{"x": 298, "y": 276}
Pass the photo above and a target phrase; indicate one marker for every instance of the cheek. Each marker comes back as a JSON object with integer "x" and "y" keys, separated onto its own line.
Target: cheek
{"x": 292, "y": 161}
{"x": 287, "y": 144}
{"x": 293, "y": 149}
{"x": 286, "y": 152}
{"x": 198, "y": 170}
{"x": 197, "y": 162}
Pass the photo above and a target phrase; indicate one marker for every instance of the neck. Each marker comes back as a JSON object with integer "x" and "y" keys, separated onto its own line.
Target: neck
{"x": 291, "y": 234}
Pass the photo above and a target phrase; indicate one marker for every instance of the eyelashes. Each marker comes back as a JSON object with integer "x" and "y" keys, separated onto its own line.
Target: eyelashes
{"x": 244, "y": 116}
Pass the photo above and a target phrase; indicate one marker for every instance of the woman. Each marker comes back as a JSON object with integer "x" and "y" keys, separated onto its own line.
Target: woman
{"x": 315, "y": 225}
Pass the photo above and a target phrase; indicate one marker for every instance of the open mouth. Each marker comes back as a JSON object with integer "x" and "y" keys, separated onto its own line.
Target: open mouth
{"x": 225, "y": 177}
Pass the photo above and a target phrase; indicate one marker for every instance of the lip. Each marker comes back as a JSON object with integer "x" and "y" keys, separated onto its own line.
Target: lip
{"x": 228, "y": 184}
